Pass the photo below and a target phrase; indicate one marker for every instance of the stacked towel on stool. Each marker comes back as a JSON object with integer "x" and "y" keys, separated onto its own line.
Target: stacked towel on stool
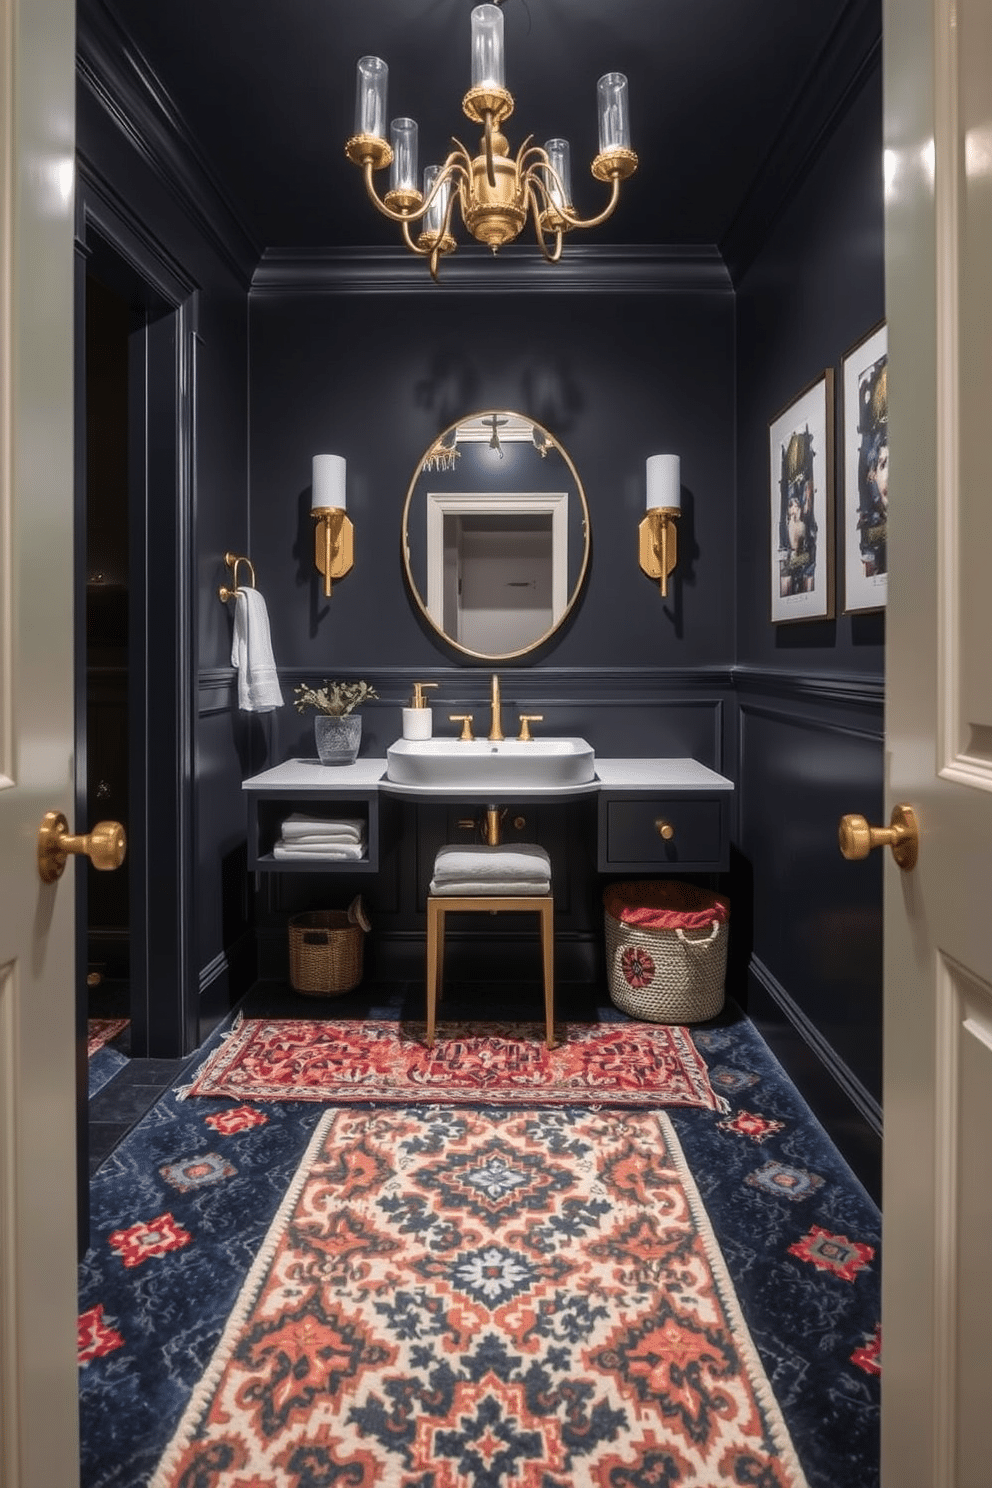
{"x": 520, "y": 868}
{"x": 317, "y": 837}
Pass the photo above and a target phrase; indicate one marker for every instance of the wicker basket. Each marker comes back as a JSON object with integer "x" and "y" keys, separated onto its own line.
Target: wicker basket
{"x": 666, "y": 975}
{"x": 325, "y": 951}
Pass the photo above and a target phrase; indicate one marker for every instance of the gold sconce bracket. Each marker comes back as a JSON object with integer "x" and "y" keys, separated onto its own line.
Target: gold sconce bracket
{"x": 658, "y": 543}
{"x": 334, "y": 544}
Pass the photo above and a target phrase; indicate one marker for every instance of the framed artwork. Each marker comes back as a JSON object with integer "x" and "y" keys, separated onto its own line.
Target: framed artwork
{"x": 866, "y": 473}
{"x": 801, "y": 444}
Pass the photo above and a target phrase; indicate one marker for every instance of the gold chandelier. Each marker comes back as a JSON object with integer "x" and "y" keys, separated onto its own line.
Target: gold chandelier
{"x": 494, "y": 192}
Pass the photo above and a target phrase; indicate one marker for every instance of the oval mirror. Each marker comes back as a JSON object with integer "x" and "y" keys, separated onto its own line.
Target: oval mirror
{"x": 495, "y": 535}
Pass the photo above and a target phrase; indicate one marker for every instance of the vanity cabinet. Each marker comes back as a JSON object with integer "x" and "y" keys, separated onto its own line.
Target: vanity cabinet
{"x": 653, "y": 815}
{"x": 662, "y": 816}
{"x": 661, "y": 834}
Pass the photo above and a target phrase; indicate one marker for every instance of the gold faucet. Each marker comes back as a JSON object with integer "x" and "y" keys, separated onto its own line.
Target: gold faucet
{"x": 496, "y": 728}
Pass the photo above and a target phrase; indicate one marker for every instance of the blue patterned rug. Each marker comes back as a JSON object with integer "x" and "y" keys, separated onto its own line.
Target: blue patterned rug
{"x": 181, "y": 1208}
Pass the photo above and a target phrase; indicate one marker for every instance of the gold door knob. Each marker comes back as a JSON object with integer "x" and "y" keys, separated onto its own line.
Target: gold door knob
{"x": 105, "y": 846}
{"x": 857, "y": 838}
{"x": 664, "y": 829}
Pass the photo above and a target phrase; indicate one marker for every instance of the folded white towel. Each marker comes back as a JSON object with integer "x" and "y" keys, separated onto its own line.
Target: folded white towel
{"x": 251, "y": 654}
{"x": 347, "y": 829}
{"x": 511, "y": 862}
{"x": 501, "y": 888}
{"x": 310, "y": 852}
{"x": 330, "y": 839}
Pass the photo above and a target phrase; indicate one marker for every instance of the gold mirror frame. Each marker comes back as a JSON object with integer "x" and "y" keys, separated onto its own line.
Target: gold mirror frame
{"x": 576, "y": 588}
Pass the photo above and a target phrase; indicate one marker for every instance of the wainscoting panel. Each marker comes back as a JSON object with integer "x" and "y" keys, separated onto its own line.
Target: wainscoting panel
{"x": 814, "y": 985}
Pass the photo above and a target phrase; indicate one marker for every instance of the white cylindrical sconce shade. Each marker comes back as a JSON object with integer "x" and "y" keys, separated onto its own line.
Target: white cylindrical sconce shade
{"x": 329, "y": 481}
{"x": 614, "y": 113}
{"x": 434, "y": 217}
{"x": 664, "y": 481}
{"x": 560, "y": 159}
{"x": 370, "y": 97}
{"x": 403, "y": 171}
{"x": 487, "y": 47}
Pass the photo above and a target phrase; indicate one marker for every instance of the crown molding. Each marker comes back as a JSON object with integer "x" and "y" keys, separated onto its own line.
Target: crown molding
{"x": 126, "y": 89}
{"x": 692, "y": 269}
{"x": 852, "y": 53}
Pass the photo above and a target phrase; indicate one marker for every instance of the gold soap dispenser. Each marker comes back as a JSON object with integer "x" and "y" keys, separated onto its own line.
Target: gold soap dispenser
{"x": 418, "y": 720}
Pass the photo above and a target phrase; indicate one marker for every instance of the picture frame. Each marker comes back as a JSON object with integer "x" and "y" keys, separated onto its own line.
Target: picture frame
{"x": 864, "y": 523}
{"x": 801, "y": 497}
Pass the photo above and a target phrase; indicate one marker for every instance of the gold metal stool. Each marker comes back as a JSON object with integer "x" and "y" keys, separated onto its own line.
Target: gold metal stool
{"x": 439, "y": 905}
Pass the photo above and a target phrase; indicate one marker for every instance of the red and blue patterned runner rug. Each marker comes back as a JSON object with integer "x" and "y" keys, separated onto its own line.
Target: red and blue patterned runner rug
{"x": 496, "y": 1063}
{"x": 471, "y": 1299}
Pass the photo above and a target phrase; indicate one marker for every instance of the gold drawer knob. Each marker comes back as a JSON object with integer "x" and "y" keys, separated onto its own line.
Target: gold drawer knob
{"x": 664, "y": 829}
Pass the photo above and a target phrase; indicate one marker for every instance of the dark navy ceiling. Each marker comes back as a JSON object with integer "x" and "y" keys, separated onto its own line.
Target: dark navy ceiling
{"x": 727, "y": 99}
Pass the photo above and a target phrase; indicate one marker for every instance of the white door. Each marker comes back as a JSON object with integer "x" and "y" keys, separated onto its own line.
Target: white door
{"x": 38, "y": 1383}
{"x": 937, "y": 1178}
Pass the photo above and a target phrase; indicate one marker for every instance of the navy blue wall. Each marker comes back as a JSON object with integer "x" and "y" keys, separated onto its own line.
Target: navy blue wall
{"x": 811, "y": 722}
{"x": 376, "y": 377}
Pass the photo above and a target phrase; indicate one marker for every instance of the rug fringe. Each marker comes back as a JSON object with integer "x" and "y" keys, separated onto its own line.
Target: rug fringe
{"x": 202, "y": 1395}
{"x": 183, "y": 1092}
{"x": 778, "y": 1430}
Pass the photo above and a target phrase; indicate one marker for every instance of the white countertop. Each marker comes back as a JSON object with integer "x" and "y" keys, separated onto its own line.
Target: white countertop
{"x": 309, "y": 776}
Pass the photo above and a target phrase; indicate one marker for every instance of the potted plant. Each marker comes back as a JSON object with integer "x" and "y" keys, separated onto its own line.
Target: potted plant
{"x": 337, "y": 728}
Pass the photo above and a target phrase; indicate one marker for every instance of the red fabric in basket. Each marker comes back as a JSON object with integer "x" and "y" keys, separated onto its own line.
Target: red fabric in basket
{"x": 665, "y": 904}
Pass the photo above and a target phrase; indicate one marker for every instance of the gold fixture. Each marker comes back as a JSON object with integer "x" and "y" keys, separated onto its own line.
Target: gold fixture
{"x": 526, "y": 719}
{"x": 105, "y": 846}
{"x": 334, "y": 544}
{"x": 664, "y": 829}
{"x": 419, "y": 701}
{"x": 659, "y": 544}
{"x": 232, "y": 560}
{"x": 334, "y": 536}
{"x": 465, "y": 719}
{"x": 495, "y": 193}
{"x": 496, "y": 726}
{"x": 658, "y": 533}
{"x": 491, "y": 827}
{"x": 857, "y": 838}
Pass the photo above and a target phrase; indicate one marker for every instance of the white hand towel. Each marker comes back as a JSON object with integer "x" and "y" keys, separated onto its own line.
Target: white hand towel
{"x": 514, "y": 862}
{"x": 251, "y": 654}
{"x": 354, "y": 851}
{"x": 348, "y": 828}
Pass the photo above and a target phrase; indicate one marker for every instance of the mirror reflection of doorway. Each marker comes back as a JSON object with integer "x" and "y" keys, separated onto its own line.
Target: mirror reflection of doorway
{"x": 498, "y": 579}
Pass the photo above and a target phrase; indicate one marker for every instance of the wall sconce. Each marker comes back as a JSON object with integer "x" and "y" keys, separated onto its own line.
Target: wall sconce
{"x": 658, "y": 533}
{"x": 334, "y": 536}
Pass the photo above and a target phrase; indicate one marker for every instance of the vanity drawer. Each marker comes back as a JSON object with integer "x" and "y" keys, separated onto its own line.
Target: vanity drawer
{"x": 630, "y": 832}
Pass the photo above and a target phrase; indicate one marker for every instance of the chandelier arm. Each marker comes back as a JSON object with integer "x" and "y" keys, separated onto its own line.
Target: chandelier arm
{"x": 408, "y": 240}
{"x": 451, "y": 169}
{"x": 533, "y": 183}
{"x": 607, "y": 211}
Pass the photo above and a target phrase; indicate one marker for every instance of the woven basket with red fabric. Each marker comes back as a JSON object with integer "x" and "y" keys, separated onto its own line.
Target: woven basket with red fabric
{"x": 666, "y": 949}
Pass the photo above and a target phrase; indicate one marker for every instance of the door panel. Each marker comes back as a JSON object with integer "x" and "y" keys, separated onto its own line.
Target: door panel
{"x": 937, "y": 1176}
{"x": 38, "y": 1417}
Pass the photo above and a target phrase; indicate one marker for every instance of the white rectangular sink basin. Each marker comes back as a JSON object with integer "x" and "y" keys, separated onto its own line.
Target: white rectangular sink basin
{"x": 478, "y": 764}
